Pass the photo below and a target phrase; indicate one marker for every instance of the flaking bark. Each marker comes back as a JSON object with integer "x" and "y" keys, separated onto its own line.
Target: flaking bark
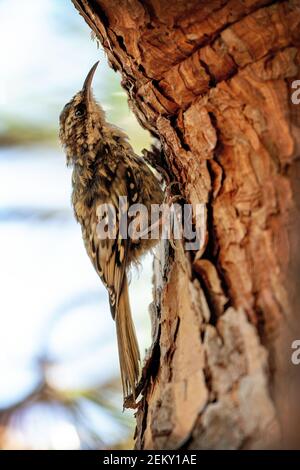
{"x": 212, "y": 81}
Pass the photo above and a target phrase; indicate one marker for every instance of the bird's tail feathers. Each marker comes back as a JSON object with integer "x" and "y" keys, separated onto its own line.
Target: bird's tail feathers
{"x": 129, "y": 355}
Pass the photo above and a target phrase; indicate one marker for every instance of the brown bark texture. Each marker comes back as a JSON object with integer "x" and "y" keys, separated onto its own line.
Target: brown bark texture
{"x": 213, "y": 82}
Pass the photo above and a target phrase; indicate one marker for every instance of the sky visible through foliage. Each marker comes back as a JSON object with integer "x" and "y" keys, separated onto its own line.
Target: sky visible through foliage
{"x": 58, "y": 355}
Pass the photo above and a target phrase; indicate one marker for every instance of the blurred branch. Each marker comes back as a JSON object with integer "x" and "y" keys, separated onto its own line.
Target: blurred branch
{"x": 33, "y": 213}
{"x": 20, "y": 133}
{"x": 71, "y": 401}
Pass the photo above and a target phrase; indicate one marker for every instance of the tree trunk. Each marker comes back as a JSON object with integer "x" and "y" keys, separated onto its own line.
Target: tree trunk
{"x": 213, "y": 82}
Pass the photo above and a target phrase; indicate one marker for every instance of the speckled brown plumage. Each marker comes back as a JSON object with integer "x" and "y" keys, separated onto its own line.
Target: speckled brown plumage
{"x": 104, "y": 168}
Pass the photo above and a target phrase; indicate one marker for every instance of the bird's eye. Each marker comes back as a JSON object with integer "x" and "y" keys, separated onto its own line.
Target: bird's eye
{"x": 80, "y": 110}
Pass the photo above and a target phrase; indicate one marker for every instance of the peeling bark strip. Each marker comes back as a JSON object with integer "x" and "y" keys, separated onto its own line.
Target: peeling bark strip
{"x": 212, "y": 80}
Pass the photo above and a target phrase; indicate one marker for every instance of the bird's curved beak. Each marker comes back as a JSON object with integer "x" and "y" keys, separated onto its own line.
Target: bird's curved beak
{"x": 88, "y": 82}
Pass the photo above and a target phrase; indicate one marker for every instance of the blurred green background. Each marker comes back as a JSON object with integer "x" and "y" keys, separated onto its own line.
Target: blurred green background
{"x": 59, "y": 373}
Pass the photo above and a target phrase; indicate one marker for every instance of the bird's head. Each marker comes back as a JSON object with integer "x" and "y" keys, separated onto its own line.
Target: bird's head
{"x": 81, "y": 122}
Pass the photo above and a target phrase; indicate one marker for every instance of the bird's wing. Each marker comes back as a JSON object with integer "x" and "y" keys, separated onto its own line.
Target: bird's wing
{"x": 110, "y": 255}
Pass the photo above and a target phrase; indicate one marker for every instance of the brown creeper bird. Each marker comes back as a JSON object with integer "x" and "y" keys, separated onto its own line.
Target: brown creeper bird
{"x": 105, "y": 168}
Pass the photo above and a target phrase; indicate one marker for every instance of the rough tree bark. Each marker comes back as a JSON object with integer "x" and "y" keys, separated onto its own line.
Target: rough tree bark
{"x": 212, "y": 80}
